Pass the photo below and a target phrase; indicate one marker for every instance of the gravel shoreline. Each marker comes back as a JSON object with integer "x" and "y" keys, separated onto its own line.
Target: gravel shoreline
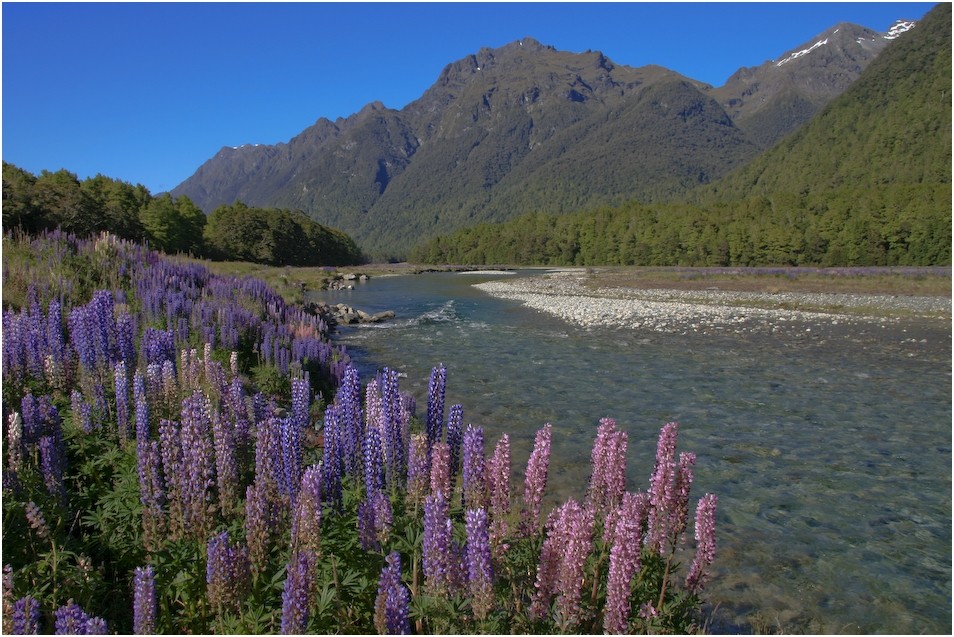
{"x": 564, "y": 294}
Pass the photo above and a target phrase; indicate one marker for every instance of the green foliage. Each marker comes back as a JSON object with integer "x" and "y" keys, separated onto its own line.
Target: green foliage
{"x": 275, "y": 237}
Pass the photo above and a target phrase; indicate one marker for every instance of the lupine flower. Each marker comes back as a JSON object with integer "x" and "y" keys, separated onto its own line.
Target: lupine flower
{"x": 373, "y": 467}
{"x": 226, "y": 573}
{"x": 226, "y": 469}
{"x": 434, "y": 422}
{"x": 52, "y": 461}
{"x": 141, "y": 408}
{"x": 332, "y": 461}
{"x": 577, "y": 533}
{"x": 608, "y": 480}
{"x": 260, "y": 526}
{"x": 170, "y": 386}
{"x": 679, "y": 506}
{"x": 440, "y": 469}
{"x": 290, "y": 436}
{"x": 170, "y": 450}
{"x": 479, "y": 573}
{"x": 14, "y": 441}
{"x": 375, "y": 519}
{"x": 455, "y": 437}
{"x": 36, "y": 520}
{"x": 705, "y": 542}
{"x": 535, "y": 481}
{"x": 81, "y": 411}
{"x": 437, "y": 541}
{"x": 26, "y": 617}
{"x": 306, "y": 526}
{"x": 144, "y": 601}
{"x": 418, "y": 474}
{"x": 394, "y": 444}
{"x": 662, "y": 485}
{"x": 373, "y": 407}
{"x": 498, "y": 480}
{"x": 548, "y": 567}
{"x": 393, "y": 600}
{"x": 151, "y": 491}
{"x": 475, "y": 488}
{"x": 627, "y": 541}
{"x": 73, "y": 620}
{"x": 30, "y": 417}
{"x": 122, "y": 402}
{"x": 297, "y": 593}
{"x": 197, "y": 459}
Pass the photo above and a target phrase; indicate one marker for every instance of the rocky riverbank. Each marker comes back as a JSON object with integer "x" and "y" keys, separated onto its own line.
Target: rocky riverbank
{"x": 570, "y": 296}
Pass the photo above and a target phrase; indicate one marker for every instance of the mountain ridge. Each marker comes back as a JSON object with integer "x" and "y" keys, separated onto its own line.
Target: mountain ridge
{"x": 517, "y": 128}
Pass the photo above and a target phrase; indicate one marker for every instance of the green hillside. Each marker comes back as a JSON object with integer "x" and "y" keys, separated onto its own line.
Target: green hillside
{"x": 866, "y": 182}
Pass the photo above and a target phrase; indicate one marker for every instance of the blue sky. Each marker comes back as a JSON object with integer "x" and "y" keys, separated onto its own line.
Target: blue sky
{"x": 147, "y": 92}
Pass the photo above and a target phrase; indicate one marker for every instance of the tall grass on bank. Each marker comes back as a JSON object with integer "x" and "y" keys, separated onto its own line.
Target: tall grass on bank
{"x": 186, "y": 453}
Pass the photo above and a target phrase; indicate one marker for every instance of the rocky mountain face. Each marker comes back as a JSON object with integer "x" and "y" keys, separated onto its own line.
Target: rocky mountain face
{"x": 526, "y": 127}
{"x": 772, "y": 100}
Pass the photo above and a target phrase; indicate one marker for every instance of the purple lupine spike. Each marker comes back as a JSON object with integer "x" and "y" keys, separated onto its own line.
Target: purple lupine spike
{"x": 260, "y": 522}
{"x": 297, "y": 593}
{"x": 122, "y": 402}
{"x": 392, "y": 603}
{"x": 679, "y": 505}
{"x": 577, "y": 533}
{"x": 661, "y": 486}
{"x": 627, "y": 541}
{"x": 144, "y": 601}
{"x": 475, "y": 487}
{"x": 435, "y": 404}
{"x": 197, "y": 463}
{"x": 350, "y": 421}
{"x": 418, "y": 474}
{"x": 141, "y": 408}
{"x": 455, "y": 437}
{"x": 436, "y": 545}
{"x": 479, "y": 573}
{"x": 290, "y": 437}
{"x": 52, "y": 465}
{"x": 373, "y": 467}
{"x": 306, "y": 525}
{"x": 226, "y": 467}
{"x": 81, "y": 411}
{"x": 705, "y": 542}
{"x": 125, "y": 336}
{"x": 226, "y": 573}
{"x": 548, "y": 567}
{"x": 608, "y": 479}
{"x": 332, "y": 461}
{"x": 30, "y": 416}
{"x": 300, "y": 400}
{"x": 170, "y": 449}
{"x": 440, "y": 470}
{"x": 73, "y": 620}
{"x": 151, "y": 492}
{"x": 26, "y": 617}
{"x": 535, "y": 482}
{"x": 395, "y": 446}
{"x": 373, "y": 406}
{"x": 498, "y": 481}
{"x": 238, "y": 409}
{"x": 375, "y": 519}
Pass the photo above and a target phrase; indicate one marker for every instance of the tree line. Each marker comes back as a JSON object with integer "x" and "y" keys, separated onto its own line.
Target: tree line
{"x": 893, "y": 224}
{"x": 34, "y": 203}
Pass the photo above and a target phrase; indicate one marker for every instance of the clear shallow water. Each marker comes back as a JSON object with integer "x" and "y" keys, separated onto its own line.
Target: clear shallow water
{"x": 830, "y": 450}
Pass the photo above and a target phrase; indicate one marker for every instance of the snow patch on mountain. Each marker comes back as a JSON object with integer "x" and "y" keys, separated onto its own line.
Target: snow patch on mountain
{"x": 899, "y": 27}
{"x": 799, "y": 54}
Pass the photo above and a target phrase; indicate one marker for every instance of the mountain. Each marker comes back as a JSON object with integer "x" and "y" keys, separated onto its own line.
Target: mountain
{"x": 772, "y": 100}
{"x": 526, "y": 127}
{"x": 866, "y": 182}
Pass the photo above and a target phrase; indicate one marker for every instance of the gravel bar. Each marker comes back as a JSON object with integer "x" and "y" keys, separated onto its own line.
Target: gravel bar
{"x": 565, "y": 295}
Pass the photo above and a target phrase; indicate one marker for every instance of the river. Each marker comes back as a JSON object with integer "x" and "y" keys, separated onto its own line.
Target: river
{"x": 831, "y": 456}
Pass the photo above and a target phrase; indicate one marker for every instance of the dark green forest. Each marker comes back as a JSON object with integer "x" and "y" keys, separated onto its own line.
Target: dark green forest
{"x": 169, "y": 224}
{"x": 866, "y": 182}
